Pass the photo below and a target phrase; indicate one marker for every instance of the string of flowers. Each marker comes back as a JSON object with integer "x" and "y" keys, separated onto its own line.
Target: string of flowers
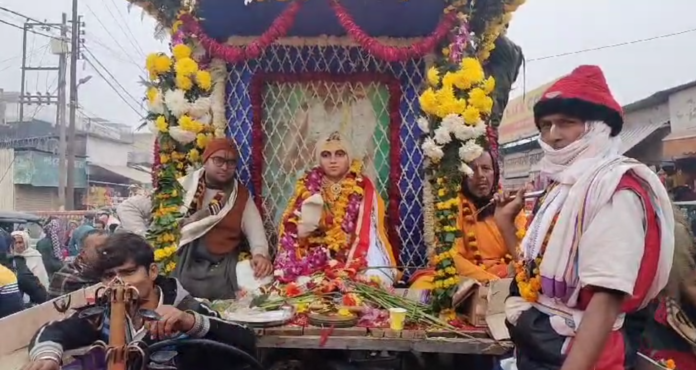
{"x": 494, "y": 28}
{"x": 179, "y": 111}
{"x": 527, "y": 273}
{"x": 392, "y": 53}
{"x": 305, "y": 257}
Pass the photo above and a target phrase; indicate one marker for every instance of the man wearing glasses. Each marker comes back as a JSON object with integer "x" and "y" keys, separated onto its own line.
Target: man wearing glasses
{"x": 220, "y": 222}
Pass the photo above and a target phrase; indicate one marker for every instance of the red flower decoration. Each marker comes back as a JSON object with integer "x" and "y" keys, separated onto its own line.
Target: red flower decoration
{"x": 392, "y": 53}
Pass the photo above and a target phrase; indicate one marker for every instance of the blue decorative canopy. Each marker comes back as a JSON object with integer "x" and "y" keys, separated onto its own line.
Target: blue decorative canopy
{"x": 392, "y": 18}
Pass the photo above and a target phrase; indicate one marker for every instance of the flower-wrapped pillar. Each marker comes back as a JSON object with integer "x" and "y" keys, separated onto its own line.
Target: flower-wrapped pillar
{"x": 457, "y": 107}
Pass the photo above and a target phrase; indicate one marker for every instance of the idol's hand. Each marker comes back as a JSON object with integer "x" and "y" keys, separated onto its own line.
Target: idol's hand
{"x": 310, "y": 215}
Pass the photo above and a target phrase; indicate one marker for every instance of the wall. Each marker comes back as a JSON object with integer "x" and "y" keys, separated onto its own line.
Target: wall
{"x": 7, "y": 194}
{"x": 682, "y": 110}
{"x": 107, "y": 152}
{"x": 32, "y": 198}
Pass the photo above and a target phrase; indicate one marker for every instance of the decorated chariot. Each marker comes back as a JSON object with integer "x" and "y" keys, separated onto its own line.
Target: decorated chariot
{"x": 417, "y": 88}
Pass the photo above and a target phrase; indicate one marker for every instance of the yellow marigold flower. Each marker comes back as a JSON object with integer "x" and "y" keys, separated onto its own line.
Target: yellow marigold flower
{"x": 204, "y": 80}
{"x": 164, "y": 158}
{"x": 186, "y": 67}
{"x": 471, "y": 115}
{"x": 161, "y": 124}
{"x": 489, "y": 85}
{"x": 158, "y": 255}
{"x": 189, "y": 124}
{"x": 194, "y": 155}
{"x": 202, "y": 140}
{"x": 162, "y": 64}
{"x": 170, "y": 267}
{"x": 433, "y": 76}
{"x": 150, "y": 62}
{"x": 428, "y": 101}
{"x": 176, "y": 25}
{"x": 470, "y": 64}
{"x": 183, "y": 82}
{"x": 152, "y": 94}
{"x": 181, "y": 51}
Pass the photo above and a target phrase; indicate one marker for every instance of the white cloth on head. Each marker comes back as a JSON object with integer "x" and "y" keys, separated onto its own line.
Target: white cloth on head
{"x": 587, "y": 173}
{"x": 33, "y": 258}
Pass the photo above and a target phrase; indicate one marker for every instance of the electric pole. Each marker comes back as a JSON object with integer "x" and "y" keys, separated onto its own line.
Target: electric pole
{"x": 36, "y": 98}
{"x": 74, "y": 55}
{"x": 62, "y": 103}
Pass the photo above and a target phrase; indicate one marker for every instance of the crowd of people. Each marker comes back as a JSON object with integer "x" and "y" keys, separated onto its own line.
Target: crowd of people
{"x": 32, "y": 274}
{"x": 603, "y": 267}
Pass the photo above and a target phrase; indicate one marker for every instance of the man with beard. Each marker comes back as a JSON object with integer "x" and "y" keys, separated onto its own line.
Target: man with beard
{"x": 483, "y": 252}
{"x": 600, "y": 245}
{"x": 219, "y": 217}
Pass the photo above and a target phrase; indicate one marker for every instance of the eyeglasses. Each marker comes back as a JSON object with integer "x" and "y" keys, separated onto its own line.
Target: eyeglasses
{"x": 220, "y": 162}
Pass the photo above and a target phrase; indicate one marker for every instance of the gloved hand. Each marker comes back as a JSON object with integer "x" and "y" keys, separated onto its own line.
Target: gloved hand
{"x": 310, "y": 215}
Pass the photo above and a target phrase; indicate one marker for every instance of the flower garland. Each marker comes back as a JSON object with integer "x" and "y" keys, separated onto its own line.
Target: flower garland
{"x": 527, "y": 273}
{"x": 232, "y": 54}
{"x": 392, "y": 53}
{"x": 494, "y": 28}
{"x": 297, "y": 258}
{"x": 218, "y": 70}
{"x": 179, "y": 110}
{"x": 256, "y": 95}
{"x": 470, "y": 239}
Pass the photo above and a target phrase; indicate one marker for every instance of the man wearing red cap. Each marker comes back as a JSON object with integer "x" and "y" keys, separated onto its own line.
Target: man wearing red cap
{"x": 600, "y": 242}
{"x": 219, "y": 217}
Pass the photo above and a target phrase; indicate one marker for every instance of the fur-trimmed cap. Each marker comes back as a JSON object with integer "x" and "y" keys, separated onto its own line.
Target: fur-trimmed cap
{"x": 584, "y": 94}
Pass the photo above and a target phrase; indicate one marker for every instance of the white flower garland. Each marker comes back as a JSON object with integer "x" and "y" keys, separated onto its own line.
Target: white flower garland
{"x": 429, "y": 220}
{"x": 218, "y": 72}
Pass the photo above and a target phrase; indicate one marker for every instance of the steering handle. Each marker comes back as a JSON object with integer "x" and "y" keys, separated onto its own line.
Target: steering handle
{"x": 251, "y": 360}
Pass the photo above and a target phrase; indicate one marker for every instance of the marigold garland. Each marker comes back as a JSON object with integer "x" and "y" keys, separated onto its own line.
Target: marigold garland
{"x": 305, "y": 257}
{"x": 179, "y": 111}
{"x": 527, "y": 272}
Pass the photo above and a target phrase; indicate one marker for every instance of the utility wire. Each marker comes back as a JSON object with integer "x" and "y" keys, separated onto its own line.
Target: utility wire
{"x": 95, "y": 59}
{"x": 28, "y": 29}
{"x": 611, "y": 46}
{"x": 132, "y": 39}
{"x": 108, "y": 82}
{"x": 28, "y": 17}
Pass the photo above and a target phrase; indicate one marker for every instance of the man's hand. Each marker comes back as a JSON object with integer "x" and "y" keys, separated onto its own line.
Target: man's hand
{"x": 262, "y": 266}
{"x": 508, "y": 207}
{"x": 42, "y": 365}
{"x": 172, "y": 321}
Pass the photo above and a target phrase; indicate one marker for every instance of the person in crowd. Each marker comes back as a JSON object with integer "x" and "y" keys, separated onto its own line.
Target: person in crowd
{"x": 27, "y": 282}
{"x": 600, "y": 244}
{"x": 129, "y": 257}
{"x": 78, "y": 274}
{"x": 50, "y": 247}
{"x": 99, "y": 225}
{"x": 670, "y": 333}
{"x": 220, "y": 218}
{"x": 21, "y": 246}
{"x": 483, "y": 252}
{"x": 74, "y": 244}
{"x": 10, "y": 297}
{"x": 335, "y": 211}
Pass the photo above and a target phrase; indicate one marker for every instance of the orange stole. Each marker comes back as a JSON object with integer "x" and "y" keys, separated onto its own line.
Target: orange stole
{"x": 490, "y": 244}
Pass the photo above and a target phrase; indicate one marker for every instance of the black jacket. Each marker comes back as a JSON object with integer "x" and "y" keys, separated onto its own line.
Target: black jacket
{"x": 28, "y": 283}
{"x": 75, "y": 332}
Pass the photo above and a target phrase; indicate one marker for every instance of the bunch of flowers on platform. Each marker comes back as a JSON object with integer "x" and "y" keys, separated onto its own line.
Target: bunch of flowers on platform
{"x": 303, "y": 258}
{"x": 179, "y": 111}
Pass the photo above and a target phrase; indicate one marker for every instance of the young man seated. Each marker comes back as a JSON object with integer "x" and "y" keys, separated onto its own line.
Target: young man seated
{"x": 129, "y": 257}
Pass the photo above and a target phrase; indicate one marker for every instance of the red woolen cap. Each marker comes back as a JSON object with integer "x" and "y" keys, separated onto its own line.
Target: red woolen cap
{"x": 583, "y": 92}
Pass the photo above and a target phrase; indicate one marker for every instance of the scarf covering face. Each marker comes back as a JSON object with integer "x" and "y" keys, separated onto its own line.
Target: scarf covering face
{"x": 51, "y": 229}
{"x": 587, "y": 173}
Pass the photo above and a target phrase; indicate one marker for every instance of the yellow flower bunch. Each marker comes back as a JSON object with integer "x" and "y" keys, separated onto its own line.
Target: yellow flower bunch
{"x": 464, "y": 92}
{"x": 162, "y": 254}
{"x": 161, "y": 124}
{"x": 189, "y": 124}
{"x": 157, "y": 64}
{"x": 446, "y": 231}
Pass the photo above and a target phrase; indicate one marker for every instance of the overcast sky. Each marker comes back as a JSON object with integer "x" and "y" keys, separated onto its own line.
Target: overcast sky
{"x": 120, "y": 39}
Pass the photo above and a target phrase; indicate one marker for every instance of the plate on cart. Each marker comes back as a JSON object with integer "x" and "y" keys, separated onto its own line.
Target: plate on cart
{"x": 259, "y": 318}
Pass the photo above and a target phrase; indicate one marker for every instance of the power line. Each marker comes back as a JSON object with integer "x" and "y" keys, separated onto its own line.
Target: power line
{"x": 108, "y": 82}
{"x": 27, "y": 17}
{"x": 111, "y": 75}
{"x": 132, "y": 39}
{"x": 28, "y": 29}
{"x": 104, "y": 27}
{"x": 611, "y": 46}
